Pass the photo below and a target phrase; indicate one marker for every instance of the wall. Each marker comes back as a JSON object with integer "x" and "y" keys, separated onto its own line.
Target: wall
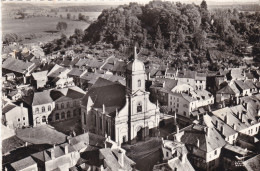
{"x": 17, "y": 117}
{"x": 38, "y": 117}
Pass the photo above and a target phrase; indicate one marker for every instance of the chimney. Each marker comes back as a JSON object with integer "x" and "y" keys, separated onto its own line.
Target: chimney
{"x": 222, "y": 130}
{"x": 66, "y": 149}
{"x": 104, "y": 109}
{"x": 177, "y": 129}
{"x": 26, "y": 144}
{"x": 226, "y": 119}
{"x": 234, "y": 127}
{"x": 24, "y": 80}
{"x": 121, "y": 158}
{"x": 198, "y": 117}
{"x": 198, "y": 143}
{"x": 52, "y": 153}
{"x": 102, "y": 168}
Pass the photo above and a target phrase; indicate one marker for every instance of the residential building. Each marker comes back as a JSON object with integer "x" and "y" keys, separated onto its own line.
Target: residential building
{"x": 204, "y": 145}
{"x": 184, "y": 100}
{"x": 14, "y": 116}
{"x": 252, "y": 164}
{"x": 39, "y": 79}
{"x": 124, "y": 113}
{"x": 18, "y": 67}
{"x": 174, "y": 157}
{"x": 40, "y": 106}
{"x": 67, "y": 103}
{"x": 26, "y": 164}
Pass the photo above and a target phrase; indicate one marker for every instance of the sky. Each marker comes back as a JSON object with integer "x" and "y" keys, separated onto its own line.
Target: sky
{"x": 116, "y": 2}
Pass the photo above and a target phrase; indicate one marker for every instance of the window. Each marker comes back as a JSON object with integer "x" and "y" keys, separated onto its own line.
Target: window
{"x": 177, "y": 99}
{"x": 23, "y": 118}
{"x": 62, "y": 115}
{"x": 57, "y": 106}
{"x": 74, "y": 103}
{"x": 57, "y": 116}
{"x": 37, "y": 110}
{"x": 170, "y": 103}
{"x": 184, "y": 113}
{"x": 24, "y": 123}
{"x": 18, "y": 119}
{"x": 216, "y": 152}
{"x": 139, "y": 83}
{"x": 44, "y": 119}
{"x": 49, "y": 108}
{"x": 68, "y": 114}
{"x": 139, "y": 107}
{"x": 177, "y": 104}
{"x": 62, "y": 105}
{"x": 43, "y": 109}
{"x": 176, "y": 110}
{"x": 68, "y": 104}
{"x": 100, "y": 122}
{"x": 75, "y": 112}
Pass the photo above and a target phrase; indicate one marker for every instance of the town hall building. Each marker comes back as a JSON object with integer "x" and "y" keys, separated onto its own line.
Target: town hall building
{"x": 124, "y": 113}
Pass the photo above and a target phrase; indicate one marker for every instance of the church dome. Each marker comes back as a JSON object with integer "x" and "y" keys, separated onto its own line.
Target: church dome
{"x": 135, "y": 65}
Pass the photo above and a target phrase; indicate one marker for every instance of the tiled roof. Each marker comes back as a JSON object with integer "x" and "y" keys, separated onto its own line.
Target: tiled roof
{"x": 57, "y": 72}
{"x": 76, "y": 72}
{"x": 226, "y": 90}
{"x": 242, "y": 85}
{"x": 39, "y": 75}
{"x": 89, "y": 139}
{"x": 206, "y": 143}
{"x": 120, "y": 66}
{"x": 40, "y": 98}
{"x": 250, "y": 84}
{"x": 252, "y": 164}
{"x": 228, "y": 131}
{"x": 23, "y": 164}
{"x": 16, "y": 65}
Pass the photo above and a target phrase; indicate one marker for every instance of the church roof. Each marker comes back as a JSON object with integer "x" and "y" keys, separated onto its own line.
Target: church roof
{"x": 106, "y": 92}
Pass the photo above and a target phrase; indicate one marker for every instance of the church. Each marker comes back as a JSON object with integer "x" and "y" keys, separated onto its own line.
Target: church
{"x": 124, "y": 113}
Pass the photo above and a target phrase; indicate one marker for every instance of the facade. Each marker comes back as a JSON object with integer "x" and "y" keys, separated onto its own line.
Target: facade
{"x": 40, "y": 106}
{"x": 14, "y": 116}
{"x": 185, "y": 100}
{"x": 124, "y": 113}
{"x": 67, "y": 103}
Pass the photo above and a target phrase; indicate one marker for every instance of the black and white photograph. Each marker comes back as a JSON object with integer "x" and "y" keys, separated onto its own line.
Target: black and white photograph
{"x": 130, "y": 85}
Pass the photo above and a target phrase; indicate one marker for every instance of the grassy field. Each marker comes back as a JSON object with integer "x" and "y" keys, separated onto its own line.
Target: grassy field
{"x": 43, "y": 27}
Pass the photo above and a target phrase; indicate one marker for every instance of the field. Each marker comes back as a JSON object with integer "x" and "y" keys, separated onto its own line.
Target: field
{"x": 43, "y": 27}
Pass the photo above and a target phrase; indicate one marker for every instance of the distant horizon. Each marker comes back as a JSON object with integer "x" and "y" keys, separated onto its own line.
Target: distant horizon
{"x": 122, "y": 2}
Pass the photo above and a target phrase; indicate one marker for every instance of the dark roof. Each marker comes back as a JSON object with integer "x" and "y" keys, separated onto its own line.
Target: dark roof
{"x": 23, "y": 163}
{"x": 11, "y": 144}
{"x": 76, "y": 72}
{"x": 89, "y": 139}
{"x": 16, "y": 65}
{"x": 226, "y": 90}
{"x": 38, "y": 98}
{"x": 105, "y": 92}
{"x": 7, "y": 108}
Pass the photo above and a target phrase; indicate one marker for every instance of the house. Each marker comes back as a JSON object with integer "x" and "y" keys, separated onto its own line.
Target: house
{"x": 67, "y": 103}
{"x": 161, "y": 88}
{"x": 26, "y": 164}
{"x": 40, "y": 106}
{"x": 10, "y": 76}
{"x": 60, "y": 157}
{"x": 239, "y": 119}
{"x": 39, "y": 79}
{"x": 76, "y": 74}
{"x": 14, "y": 116}
{"x": 228, "y": 94}
{"x": 204, "y": 145}
{"x": 123, "y": 112}
{"x": 174, "y": 157}
{"x": 243, "y": 88}
{"x": 183, "y": 100}
{"x": 234, "y": 156}
{"x": 18, "y": 67}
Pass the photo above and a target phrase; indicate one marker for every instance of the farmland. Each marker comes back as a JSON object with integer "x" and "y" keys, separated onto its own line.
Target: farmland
{"x": 41, "y": 25}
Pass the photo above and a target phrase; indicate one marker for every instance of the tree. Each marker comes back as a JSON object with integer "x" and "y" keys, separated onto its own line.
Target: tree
{"x": 199, "y": 39}
{"x": 61, "y": 26}
{"x": 68, "y": 16}
{"x": 204, "y": 5}
{"x": 159, "y": 39}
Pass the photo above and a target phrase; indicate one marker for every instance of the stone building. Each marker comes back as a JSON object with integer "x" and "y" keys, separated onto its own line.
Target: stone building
{"x": 123, "y": 112}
